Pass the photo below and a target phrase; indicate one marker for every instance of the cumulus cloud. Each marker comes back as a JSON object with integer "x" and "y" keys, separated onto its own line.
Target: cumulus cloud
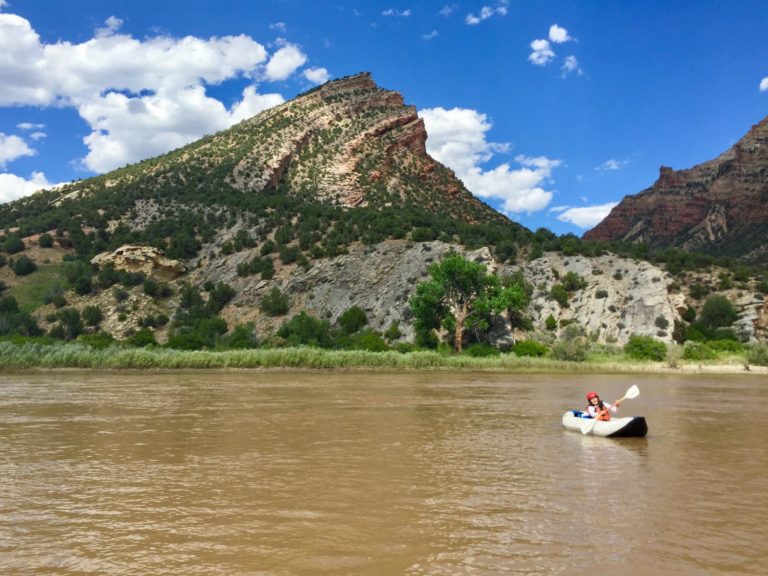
{"x": 764, "y": 84}
{"x": 587, "y": 216}
{"x": 457, "y": 138}
{"x": 126, "y": 129}
{"x": 317, "y": 75}
{"x": 13, "y": 187}
{"x": 285, "y": 62}
{"x": 558, "y": 35}
{"x": 430, "y": 36}
{"x": 139, "y": 97}
{"x": 12, "y": 147}
{"x": 448, "y": 9}
{"x": 279, "y": 26}
{"x": 541, "y": 53}
{"x": 3, "y": 4}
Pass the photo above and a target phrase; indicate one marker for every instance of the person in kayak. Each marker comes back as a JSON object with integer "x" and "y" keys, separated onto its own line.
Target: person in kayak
{"x": 599, "y": 409}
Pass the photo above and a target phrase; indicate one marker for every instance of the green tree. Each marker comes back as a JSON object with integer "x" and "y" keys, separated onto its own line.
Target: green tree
{"x": 460, "y": 295}
{"x": 717, "y": 312}
{"x": 352, "y": 320}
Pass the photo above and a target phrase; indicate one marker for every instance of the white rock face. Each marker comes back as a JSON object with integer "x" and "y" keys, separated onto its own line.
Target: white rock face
{"x": 622, "y": 296}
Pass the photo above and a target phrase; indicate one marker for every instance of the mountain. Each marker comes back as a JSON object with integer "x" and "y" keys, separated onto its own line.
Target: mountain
{"x": 719, "y": 207}
{"x": 347, "y": 143}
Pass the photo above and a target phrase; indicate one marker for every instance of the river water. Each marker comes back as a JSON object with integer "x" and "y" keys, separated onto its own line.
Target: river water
{"x": 277, "y": 473}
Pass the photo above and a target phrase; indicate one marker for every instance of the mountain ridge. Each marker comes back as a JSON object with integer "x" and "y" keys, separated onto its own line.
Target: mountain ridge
{"x": 719, "y": 206}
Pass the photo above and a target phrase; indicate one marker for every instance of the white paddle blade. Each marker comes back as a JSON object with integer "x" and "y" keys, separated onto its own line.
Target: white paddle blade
{"x": 633, "y": 392}
{"x": 586, "y": 425}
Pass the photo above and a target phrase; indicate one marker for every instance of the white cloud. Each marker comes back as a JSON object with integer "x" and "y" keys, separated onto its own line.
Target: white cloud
{"x": 587, "y": 216}
{"x": 38, "y": 135}
{"x": 139, "y": 97}
{"x": 611, "y": 164}
{"x": 430, "y": 36}
{"x": 29, "y": 126}
{"x": 558, "y": 35}
{"x": 393, "y": 12}
{"x": 317, "y": 75}
{"x": 485, "y": 13}
{"x": 457, "y": 138}
{"x": 279, "y": 26}
{"x": 251, "y": 104}
{"x": 764, "y": 84}
{"x": 285, "y": 62}
{"x": 13, "y": 187}
{"x": 126, "y": 129}
{"x": 12, "y": 147}
{"x": 3, "y": 3}
{"x": 33, "y": 73}
{"x": 448, "y": 9}
{"x": 541, "y": 53}
{"x": 571, "y": 64}
{"x": 112, "y": 25}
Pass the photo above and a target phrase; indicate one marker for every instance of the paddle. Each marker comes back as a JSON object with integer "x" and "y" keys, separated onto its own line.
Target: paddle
{"x": 589, "y": 423}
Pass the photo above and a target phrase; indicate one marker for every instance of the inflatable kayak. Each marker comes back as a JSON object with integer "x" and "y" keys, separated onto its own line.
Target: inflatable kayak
{"x": 631, "y": 426}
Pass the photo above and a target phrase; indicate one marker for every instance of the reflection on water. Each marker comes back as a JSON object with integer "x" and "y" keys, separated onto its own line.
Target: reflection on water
{"x": 318, "y": 473}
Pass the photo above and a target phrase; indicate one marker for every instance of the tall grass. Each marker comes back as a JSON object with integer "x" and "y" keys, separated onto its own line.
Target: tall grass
{"x": 75, "y": 355}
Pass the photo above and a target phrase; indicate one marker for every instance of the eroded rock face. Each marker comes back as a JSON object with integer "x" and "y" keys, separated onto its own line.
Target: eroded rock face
{"x": 622, "y": 296}
{"x": 719, "y": 206}
{"x": 145, "y": 259}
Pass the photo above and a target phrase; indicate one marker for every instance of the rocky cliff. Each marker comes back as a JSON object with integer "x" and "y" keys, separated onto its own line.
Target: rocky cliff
{"x": 720, "y": 206}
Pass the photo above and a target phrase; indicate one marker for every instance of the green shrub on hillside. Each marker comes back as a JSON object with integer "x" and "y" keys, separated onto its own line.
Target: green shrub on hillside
{"x": 22, "y": 266}
{"x": 13, "y": 244}
{"x": 480, "y": 350}
{"x": 242, "y": 337}
{"x": 307, "y": 330}
{"x": 529, "y": 348}
{"x": 559, "y": 294}
{"x": 645, "y": 348}
{"x": 275, "y": 303}
{"x": 352, "y": 320}
{"x": 698, "y": 351}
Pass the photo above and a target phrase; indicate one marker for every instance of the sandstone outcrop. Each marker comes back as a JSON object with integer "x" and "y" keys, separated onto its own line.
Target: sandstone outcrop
{"x": 146, "y": 259}
{"x": 720, "y": 206}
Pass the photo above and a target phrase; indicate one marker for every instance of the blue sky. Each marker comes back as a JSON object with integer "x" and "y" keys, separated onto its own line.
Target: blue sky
{"x": 550, "y": 111}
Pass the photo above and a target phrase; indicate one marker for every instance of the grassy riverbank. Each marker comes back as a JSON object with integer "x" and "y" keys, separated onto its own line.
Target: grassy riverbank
{"x": 73, "y": 355}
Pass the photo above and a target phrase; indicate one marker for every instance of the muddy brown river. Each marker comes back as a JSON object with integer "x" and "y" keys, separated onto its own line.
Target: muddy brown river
{"x": 278, "y": 473}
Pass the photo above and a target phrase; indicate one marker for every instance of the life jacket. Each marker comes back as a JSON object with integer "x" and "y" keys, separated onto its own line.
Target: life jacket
{"x": 603, "y": 415}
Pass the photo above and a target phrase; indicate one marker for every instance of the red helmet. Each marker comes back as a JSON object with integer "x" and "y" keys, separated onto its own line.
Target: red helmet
{"x": 591, "y": 395}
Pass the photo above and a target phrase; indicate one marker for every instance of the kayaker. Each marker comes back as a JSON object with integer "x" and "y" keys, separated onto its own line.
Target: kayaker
{"x": 599, "y": 409}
